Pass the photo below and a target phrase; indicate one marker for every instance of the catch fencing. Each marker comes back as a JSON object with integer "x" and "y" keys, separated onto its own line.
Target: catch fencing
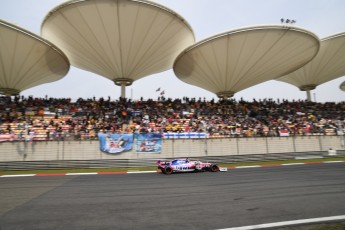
{"x": 87, "y": 154}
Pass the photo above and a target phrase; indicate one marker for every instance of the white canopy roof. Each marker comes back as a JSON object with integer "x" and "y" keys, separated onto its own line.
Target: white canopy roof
{"x": 27, "y": 60}
{"x": 122, "y": 40}
{"x": 230, "y": 62}
{"x": 328, "y": 65}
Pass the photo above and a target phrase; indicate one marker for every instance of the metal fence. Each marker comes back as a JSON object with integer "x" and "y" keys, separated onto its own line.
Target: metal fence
{"x": 86, "y": 154}
{"x": 135, "y": 163}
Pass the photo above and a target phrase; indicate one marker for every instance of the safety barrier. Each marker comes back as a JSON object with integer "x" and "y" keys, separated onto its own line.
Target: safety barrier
{"x": 134, "y": 163}
{"x": 76, "y": 154}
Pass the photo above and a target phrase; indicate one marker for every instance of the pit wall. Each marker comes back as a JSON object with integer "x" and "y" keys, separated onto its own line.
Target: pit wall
{"x": 174, "y": 148}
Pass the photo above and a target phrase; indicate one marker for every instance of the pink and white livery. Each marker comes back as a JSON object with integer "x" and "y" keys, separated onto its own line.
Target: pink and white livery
{"x": 185, "y": 165}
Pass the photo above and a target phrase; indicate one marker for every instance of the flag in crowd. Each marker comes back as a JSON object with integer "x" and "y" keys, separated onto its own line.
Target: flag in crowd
{"x": 162, "y": 92}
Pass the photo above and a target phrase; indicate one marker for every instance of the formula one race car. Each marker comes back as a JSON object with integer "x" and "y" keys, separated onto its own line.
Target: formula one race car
{"x": 185, "y": 165}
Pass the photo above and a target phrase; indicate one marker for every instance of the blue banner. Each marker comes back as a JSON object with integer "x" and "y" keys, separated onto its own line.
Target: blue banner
{"x": 115, "y": 143}
{"x": 149, "y": 143}
{"x": 184, "y": 135}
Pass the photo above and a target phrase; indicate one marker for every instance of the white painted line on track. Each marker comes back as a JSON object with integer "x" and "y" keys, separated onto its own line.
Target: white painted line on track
{"x": 289, "y": 223}
{"x": 293, "y": 164}
{"x": 333, "y": 161}
{"x": 81, "y": 174}
{"x": 251, "y": 166}
{"x": 132, "y": 172}
{"x": 18, "y": 175}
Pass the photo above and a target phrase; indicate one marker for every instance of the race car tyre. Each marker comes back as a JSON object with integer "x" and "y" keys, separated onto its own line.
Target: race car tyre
{"x": 163, "y": 170}
{"x": 168, "y": 170}
{"x": 214, "y": 168}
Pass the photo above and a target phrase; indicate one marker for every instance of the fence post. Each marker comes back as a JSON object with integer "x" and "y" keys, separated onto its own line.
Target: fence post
{"x": 237, "y": 146}
{"x": 63, "y": 150}
{"x": 320, "y": 143}
{"x": 340, "y": 132}
{"x": 294, "y": 143}
{"x": 173, "y": 147}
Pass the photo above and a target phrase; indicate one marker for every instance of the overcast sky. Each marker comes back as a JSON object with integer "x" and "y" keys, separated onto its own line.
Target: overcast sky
{"x": 207, "y": 18}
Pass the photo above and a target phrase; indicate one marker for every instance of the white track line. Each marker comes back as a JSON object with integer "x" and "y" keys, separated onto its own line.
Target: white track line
{"x": 293, "y": 164}
{"x": 289, "y": 223}
{"x": 333, "y": 161}
{"x": 132, "y": 172}
{"x": 81, "y": 174}
{"x": 18, "y": 175}
{"x": 251, "y": 166}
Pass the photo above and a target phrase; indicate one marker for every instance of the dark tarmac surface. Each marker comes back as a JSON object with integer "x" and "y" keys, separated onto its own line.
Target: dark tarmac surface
{"x": 239, "y": 197}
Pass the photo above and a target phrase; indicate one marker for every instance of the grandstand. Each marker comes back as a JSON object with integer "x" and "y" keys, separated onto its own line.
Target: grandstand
{"x": 43, "y": 119}
{"x": 254, "y": 55}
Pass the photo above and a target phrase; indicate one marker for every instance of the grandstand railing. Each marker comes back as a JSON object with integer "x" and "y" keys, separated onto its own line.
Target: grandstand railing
{"x": 86, "y": 136}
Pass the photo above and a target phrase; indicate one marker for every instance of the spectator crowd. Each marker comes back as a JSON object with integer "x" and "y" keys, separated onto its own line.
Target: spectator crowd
{"x": 61, "y": 119}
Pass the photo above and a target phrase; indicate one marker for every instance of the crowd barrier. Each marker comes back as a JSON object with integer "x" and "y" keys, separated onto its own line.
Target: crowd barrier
{"x": 148, "y": 162}
{"x": 66, "y": 152}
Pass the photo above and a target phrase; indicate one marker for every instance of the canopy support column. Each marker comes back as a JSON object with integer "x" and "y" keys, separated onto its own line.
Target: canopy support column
{"x": 308, "y": 95}
{"x": 123, "y": 90}
{"x": 225, "y": 94}
{"x": 123, "y": 82}
{"x": 308, "y": 88}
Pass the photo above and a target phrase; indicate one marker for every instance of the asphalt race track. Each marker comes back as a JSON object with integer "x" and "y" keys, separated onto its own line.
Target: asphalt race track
{"x": 239, "y": 197}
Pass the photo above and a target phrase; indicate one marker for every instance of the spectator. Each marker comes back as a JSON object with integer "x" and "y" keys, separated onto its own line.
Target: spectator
{"x": 225, "y": 118}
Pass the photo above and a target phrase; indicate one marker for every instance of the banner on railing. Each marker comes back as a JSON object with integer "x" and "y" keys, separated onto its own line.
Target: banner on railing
{"x": 284, "y": 133}
{"x": 149, "y": 143}
{"x": 7, "y": 137}
{"x": 184, "y": 135}
{"x": 115, "y": 143}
